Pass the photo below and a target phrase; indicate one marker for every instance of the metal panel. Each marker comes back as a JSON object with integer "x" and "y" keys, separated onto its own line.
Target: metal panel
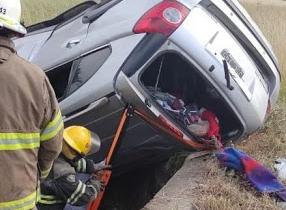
{"x": 205, "y": 46}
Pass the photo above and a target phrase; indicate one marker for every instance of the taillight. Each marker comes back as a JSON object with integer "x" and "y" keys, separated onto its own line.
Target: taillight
{"x": 163, "y": 18}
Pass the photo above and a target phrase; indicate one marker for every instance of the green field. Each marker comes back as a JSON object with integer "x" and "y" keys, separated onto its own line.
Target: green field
{"x": 38, "y": 10}
{"x": 270, "y": 15}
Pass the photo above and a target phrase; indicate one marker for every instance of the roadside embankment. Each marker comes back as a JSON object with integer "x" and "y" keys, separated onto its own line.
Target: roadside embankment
{"x": 182, "y": 187}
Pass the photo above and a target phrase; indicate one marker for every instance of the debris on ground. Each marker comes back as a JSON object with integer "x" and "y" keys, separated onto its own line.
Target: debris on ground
{"x": 201, "y": 185}
{"x": 280, "y": 168}
{"x": 261, "y": 178}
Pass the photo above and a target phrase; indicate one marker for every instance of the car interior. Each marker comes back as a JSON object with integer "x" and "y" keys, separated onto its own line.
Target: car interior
{"x": 171, "y": 73}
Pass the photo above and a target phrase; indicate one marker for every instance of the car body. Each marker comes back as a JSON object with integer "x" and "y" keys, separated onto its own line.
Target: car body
{"x": 99, "y": 58}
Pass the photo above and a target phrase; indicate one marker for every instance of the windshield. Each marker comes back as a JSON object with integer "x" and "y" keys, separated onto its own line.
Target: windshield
{"x": 35, "y": 11}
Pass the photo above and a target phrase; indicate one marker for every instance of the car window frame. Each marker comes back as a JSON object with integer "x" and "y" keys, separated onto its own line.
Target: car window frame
{"x": 75, "y": 64}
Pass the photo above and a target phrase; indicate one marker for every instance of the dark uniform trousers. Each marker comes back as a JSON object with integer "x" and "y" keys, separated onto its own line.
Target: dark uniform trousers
{"x": 63, "y": 187}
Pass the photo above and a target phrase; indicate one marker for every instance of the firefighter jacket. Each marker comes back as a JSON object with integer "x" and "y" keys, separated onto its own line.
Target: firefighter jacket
{"x": 30, "y": 128}
{"x": 63, "y": 186}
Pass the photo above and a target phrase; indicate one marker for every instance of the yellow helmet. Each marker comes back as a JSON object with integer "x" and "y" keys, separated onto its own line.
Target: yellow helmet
{"x": 81, "y": 139}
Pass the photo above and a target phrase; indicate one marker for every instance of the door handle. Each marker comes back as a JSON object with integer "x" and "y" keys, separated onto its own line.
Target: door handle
{"x": 95, "y": 105}
{"x": 73, "y": 43}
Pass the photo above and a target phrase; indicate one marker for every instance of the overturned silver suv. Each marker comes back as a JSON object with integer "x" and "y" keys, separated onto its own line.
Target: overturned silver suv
{"x": 168, "y": 59}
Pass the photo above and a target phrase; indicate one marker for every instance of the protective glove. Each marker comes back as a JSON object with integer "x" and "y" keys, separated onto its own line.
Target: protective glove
{"x": 85, "y": 165}
{"x": 96, "y": 183}
{"x": 100, "y": 166}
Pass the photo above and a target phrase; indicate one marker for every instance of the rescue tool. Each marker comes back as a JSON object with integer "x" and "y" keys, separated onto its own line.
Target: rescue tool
{"x": 128, "y": 112}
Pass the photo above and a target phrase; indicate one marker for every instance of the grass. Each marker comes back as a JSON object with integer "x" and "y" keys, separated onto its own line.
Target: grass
{"x": 224, "y": 191}
{"x": 270, "y": 15}
{"x": 221, "y": 192}
{"x": 39, "y": 10}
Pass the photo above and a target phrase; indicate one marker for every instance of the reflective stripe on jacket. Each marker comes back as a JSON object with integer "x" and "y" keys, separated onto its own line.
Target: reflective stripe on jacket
{"x": 50, "y": 200}
{"x": 62, "y": 186}
{"x": 85, "y": 165}
{"x": 27, "y": 202}
{"x": 30, "y": 128}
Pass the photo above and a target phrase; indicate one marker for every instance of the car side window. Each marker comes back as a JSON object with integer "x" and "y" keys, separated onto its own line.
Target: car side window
{"x": 59, "y": 78}
{"x": 84, "y": 68}
{"x": 68, "y": 77}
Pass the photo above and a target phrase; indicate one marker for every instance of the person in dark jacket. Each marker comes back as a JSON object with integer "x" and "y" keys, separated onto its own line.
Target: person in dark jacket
{"x": 62, "y": 185}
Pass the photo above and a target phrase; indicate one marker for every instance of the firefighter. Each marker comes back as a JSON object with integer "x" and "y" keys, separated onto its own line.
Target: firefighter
{"x": 31, "y": 124}
{"x": 62, "y": 185}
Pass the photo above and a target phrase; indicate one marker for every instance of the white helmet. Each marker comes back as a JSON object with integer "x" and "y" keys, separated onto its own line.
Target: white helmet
{"x": 10, "y": 14}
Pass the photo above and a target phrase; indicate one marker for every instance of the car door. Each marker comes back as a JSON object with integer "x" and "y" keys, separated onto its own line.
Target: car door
{"x": 52, "y": 42}
{"x": 63, "y": 44}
